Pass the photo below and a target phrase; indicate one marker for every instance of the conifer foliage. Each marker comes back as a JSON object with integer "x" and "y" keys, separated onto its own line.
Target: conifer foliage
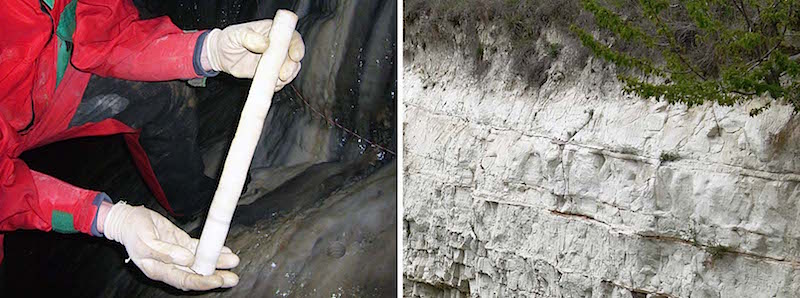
{"x": 692, "y": 51}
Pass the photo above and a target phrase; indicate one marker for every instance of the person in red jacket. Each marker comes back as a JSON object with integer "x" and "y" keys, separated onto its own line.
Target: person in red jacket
{"x": 74, "y": 68}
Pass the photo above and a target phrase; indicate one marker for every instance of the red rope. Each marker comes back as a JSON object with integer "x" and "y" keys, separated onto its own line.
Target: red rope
{"x": 331, "y": 122}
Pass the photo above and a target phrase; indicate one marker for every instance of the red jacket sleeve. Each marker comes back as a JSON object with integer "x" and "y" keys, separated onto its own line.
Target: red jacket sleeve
{"x": 111, "y": 40}
{"x": 32, "y": 200}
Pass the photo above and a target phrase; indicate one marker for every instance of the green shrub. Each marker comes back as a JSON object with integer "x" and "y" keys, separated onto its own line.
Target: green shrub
{"x": 693, "y": 51}
{"x": 554, "y": 50}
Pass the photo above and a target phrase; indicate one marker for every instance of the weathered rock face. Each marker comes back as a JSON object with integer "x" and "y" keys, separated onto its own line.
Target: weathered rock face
{"x": 575, "y": 189}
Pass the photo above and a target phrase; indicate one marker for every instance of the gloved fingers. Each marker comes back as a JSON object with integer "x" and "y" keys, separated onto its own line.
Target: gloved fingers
{"x": 225, "y": 249}
{"x": 192, "y": 244}
{"x": 287, "y": 70}
{"x": 183, "y": 239}
{"x": 229, "y": 279}
{"x": 254, "y": 42}
{"x": 296, "y": 71}
{"x": 282, "y": 83}
{"x": 171, "y": 233}
{"x": 243, "y": 72}
{"x": 261, "y": 26}
{"x": 181, "y": 279}
{"x": 297, "y": 49}
{"x": 167, "y": 252}
{"x": 227, "y": 259}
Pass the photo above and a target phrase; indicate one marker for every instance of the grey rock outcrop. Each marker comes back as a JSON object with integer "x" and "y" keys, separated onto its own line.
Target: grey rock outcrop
{"x": 575, "y": 189}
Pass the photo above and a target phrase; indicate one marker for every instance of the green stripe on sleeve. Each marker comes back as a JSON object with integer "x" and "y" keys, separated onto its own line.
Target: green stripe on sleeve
{"x": 63, "y": 222}
{"x": 64, "y": 31}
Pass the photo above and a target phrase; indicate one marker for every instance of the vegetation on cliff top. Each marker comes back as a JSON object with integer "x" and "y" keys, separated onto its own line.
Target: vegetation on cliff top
{"x": 681, "y": 51}
{"x": 691, "y": 51}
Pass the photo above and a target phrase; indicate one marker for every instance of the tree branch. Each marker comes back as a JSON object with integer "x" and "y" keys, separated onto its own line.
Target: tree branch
{"x": 744, "y": 14}
{"x": 758, "y": 62}
{"x": 675, "y": 47}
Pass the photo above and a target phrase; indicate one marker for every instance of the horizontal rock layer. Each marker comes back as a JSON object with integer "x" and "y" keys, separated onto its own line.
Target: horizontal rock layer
{"x": 576, "y": 189}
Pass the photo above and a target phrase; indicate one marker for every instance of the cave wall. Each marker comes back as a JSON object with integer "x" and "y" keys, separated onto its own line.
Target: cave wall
{"x": 348, "y": 74}
{"x": 311, "y": 185}
{"x": 575, "y": 189}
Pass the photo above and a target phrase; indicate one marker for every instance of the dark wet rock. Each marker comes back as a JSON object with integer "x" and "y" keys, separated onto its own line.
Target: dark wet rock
{"x": 320, "y": 204}
{"x": 342, "y": 244}
{"x": 336, "y": 249}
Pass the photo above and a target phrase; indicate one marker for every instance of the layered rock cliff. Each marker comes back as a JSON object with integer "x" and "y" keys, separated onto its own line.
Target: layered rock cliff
{"x": 575, "y": 189}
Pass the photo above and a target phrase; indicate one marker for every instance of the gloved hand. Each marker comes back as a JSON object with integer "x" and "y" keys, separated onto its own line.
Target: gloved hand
{"x": 163, "y": 251}
{"x": 236, "y": 50}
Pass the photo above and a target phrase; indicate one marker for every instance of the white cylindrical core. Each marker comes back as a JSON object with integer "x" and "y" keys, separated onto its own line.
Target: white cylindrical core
{"x": 237, "y": 163}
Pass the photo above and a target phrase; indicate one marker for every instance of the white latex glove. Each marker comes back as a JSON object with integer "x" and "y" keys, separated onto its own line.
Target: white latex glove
{"x": 237, "y": 49}
{"x": 163, "y": 251}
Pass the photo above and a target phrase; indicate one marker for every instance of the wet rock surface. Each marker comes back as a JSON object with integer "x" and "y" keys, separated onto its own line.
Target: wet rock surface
{"x": 575, "y": 189}
{"x": 320, "y": 203}
{"x": 341, "y": 245}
